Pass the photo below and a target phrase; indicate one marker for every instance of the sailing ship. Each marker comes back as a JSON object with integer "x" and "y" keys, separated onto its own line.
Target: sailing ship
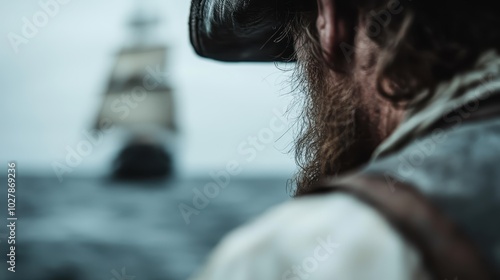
{"x": 140, "y": 101}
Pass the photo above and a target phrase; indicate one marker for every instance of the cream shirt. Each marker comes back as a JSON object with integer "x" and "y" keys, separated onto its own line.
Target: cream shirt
{"x": 326, "y": 237}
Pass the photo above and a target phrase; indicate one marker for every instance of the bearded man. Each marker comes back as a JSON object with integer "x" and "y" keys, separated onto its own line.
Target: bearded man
{"x": 400, "y": 143}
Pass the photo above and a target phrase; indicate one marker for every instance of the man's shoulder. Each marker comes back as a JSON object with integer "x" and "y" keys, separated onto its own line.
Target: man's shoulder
{"x": 339, "y": 216}
{"x": 316, "y": 235}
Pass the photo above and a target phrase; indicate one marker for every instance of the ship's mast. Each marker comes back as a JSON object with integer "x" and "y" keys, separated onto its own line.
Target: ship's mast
{"x": 143, "y": 24}
{"x": 139, "y": 100}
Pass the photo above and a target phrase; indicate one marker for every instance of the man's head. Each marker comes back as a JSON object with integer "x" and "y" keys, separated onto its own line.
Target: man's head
{"x": 358, "y": 62}
{"x": 344, "y": 119}
{"x": 363, "y": 61}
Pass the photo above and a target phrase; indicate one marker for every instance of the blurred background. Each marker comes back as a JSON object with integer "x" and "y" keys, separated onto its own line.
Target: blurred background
{"x": 134, "y": 156}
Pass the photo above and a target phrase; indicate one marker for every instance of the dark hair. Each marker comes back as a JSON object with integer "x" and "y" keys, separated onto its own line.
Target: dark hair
{"x": 428, "y": 42}
{"x": 422, "y": 43}
{"x": 425, "y": 42}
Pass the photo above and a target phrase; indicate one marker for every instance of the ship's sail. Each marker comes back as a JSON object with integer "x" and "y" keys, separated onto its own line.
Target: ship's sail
{"x": 139, "y": 102}
{"x": 138, "y": 93}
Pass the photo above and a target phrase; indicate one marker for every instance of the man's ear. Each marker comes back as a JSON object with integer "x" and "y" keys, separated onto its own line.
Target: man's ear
{"x": 336, "y": 30}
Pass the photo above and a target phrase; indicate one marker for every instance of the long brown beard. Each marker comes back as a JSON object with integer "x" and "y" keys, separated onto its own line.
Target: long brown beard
{"x": 330, "y": 139}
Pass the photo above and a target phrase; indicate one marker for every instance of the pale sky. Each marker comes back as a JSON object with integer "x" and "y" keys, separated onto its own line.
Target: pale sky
{"x": 54, "y": 84}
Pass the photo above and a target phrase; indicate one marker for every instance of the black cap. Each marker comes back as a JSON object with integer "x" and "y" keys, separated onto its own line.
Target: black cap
{"x": 243, "y": 30}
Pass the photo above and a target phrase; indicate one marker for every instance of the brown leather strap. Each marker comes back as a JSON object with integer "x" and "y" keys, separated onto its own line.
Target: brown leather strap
{"x": 446, "y": 251}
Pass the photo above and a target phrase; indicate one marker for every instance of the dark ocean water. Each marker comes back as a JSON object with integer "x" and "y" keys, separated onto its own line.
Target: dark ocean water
{"x": 102, "y": 229}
